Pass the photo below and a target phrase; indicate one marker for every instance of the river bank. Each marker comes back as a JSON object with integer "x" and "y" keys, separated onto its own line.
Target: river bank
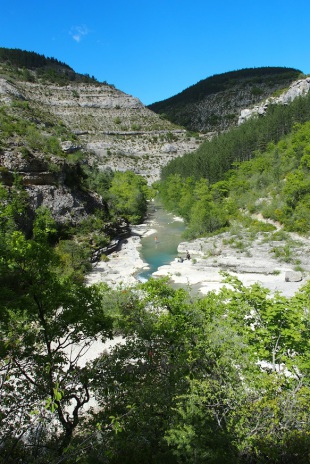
{"x": 150, "y": 245}
{"x": 254, "y": 261}
{"x": 278, "y": 264}
{"x": 120, "y": 267}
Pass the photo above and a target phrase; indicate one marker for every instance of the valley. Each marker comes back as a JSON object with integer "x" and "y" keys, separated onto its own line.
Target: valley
{"x": 206, "y": 362}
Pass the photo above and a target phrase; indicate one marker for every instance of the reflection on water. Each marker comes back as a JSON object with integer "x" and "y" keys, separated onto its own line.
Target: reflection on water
{"x": 161, "y": 247}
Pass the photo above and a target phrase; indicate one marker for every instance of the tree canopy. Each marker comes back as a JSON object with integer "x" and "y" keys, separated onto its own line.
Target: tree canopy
{"x": 249, "y": 169}
{"x": 222, "y": 378}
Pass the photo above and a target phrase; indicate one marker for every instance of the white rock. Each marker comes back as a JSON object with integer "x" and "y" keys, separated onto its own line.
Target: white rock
{"x": 167, "y": 148}
{"x": 296, "y": 89}
{"x": 293, "y": 276}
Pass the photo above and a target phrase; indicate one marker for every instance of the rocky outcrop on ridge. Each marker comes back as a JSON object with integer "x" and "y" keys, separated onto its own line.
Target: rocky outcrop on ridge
{"x": 297, "y": 89}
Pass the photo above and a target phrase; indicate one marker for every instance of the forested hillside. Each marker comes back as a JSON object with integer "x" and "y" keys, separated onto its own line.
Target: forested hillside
{"x": 259, "y": 166}
{"x": 214, "y": 104}
{"x": 31, "y": 66}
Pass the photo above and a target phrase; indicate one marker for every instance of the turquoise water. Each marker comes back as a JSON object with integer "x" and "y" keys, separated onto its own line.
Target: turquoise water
{"x": 161, "y": 247}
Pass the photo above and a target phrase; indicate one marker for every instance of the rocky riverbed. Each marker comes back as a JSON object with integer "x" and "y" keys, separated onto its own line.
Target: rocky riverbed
{"x": 120, "y": 267}
{"x": 278, "y": 261}
{"x": 275, "y": 264}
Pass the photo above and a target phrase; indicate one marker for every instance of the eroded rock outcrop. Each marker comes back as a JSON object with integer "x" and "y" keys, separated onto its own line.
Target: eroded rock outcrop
{"x": 51, "y": 183}
{"x": 117, "y": 128}
{"x": 297, "y": 89}
{"x": 9, "y": 91}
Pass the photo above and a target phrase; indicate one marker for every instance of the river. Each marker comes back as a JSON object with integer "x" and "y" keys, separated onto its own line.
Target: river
{"x": 160, "y": 247}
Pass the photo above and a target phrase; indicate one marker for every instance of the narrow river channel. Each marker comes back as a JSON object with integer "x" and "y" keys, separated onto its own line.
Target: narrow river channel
{"x": 160, "y": 247}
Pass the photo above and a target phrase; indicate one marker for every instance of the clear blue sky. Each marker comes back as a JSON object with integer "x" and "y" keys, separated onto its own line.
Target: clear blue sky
{"x": 155, "y": 49}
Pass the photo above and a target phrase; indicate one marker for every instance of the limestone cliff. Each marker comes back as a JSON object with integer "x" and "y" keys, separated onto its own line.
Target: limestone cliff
{"x": 117, "y": 128}
{"x": 298, "y": 88}
{"x": 108, "y": 128}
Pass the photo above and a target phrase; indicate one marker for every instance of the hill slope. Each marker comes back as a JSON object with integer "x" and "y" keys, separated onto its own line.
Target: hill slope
{"x": 214, "y": 104}
{"x": 117, "y": 128}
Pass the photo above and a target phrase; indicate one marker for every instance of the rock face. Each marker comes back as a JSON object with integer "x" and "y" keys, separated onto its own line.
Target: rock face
{"x": 85, "y": 107}
{"x": 66, "y": 206}
{"x": 51, "y": 189}
{"x": 297, "y": 89}
{"x": 117, "y": 128}
{"x": 8, "y": 91}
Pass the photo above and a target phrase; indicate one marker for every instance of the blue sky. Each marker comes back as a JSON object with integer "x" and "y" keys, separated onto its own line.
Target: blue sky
{"x": 155, "y": 49}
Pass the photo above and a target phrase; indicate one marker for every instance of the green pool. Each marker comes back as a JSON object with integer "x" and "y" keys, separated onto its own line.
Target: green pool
{"x": 161, "y": 247}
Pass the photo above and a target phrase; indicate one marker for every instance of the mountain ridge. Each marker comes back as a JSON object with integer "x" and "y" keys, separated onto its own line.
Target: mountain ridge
{"x": 214, "y": 103}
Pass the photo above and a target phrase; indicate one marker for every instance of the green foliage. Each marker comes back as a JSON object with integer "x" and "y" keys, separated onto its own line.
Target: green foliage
{"x": 99, "y": 181}
{"x": 27, "y": 59}
{"x": 206, "y": 215}
{"x": 214, "y": 158}
{"x": 74, "y": 259}
{"x": 37, "y": 141}
{"x": 49, "y": 69}
{"x": 135, "y": 127}
{"x": 220, "y": 379}
{"x": 14, "y": 212}
{"x": 128, "y": 194}
{"x": 275, "y": 182}
{"x": 48, "y": 321}
{"x": 188, "y": 386}
{"x": 257, "y": 91}
{"x": 21, "y": 127}
{"x": 205, "y": 209}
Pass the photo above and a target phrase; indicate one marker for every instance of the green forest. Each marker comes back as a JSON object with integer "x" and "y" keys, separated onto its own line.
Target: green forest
{"x": 222, "y": 378}
{"x": 224, "y": 81}
{"x": 32, "y": 67}
{"x": 261, "y": 166}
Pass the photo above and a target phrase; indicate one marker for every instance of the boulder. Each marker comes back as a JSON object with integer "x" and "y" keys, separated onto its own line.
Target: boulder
{"x": 293, "y": 276}
{"x": 69, "y": 147}
{"x": 167, "y": 148}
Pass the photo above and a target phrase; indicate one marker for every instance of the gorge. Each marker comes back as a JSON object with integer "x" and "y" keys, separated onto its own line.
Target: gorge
{"x": 207, "y": 362}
